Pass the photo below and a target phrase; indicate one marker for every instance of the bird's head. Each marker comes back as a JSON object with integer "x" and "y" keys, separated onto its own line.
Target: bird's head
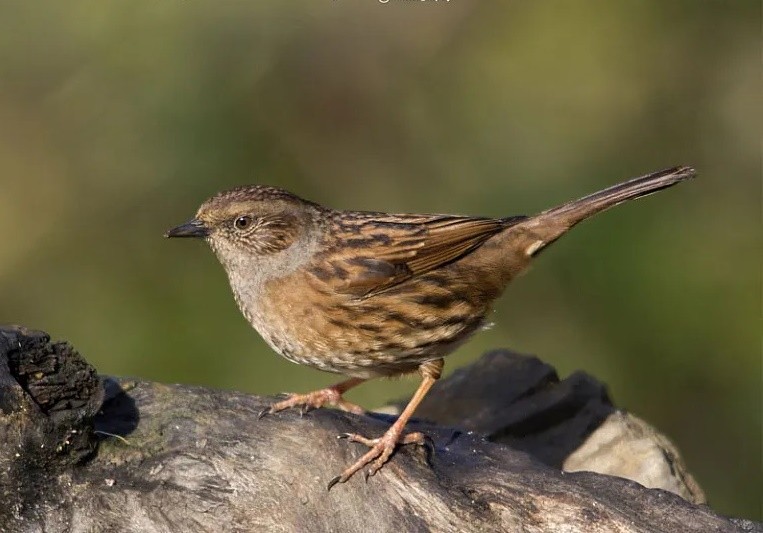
{"x": 250, "y": 223}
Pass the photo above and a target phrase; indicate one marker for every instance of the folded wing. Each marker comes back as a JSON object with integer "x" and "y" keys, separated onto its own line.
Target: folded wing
{"x": 374, "y": 252}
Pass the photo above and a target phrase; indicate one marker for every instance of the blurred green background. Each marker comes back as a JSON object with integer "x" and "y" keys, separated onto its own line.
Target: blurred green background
{"x": 118, "y": 118}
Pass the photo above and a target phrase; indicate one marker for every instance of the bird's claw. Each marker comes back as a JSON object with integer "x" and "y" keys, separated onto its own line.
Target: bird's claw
{"x": 354, "y": 437}
{"x": 381, "y": 449}
{"x": 312, "y": 400}
{"x": 429, "y": 448}
{"x": 333, "y": 482}
{"x": 288, "y": 401}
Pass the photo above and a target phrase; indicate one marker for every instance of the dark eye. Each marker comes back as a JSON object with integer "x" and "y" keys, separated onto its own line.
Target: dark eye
{"x": 243, "y": 222}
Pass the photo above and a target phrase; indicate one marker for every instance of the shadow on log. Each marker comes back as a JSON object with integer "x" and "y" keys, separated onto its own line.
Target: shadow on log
{"x": 78, "y": 453}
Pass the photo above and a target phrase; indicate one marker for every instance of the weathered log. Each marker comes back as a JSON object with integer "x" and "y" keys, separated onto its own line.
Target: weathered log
{"x": 81, "y": 453}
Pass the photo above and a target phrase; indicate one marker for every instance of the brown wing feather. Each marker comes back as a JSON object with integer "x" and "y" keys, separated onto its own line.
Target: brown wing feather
{"x": 375, "y": 252}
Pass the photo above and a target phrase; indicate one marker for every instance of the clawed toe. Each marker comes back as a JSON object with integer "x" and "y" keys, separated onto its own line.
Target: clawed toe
{"x": 381, "y": 449}
{"x": 333, "y": 482}
{"x": 314, "y": 400}
{"x": 376, "y": 457}
{"x": 375, "y": 466}
{"x": 429, "y": 447}
{"x": 354, "y": 437}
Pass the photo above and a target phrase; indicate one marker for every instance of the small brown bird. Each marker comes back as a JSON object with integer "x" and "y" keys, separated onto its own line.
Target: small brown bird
{"x": 374, "y": 294}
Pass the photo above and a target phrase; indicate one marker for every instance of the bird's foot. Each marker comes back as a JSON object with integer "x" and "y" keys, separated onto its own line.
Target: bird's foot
{"x": 313, "y": 400}
{"x": 381, "y": 450}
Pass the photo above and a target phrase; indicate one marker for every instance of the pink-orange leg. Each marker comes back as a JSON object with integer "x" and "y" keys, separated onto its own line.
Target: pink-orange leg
{"x": 312, "y": 400}
{"x": 383, "y": 447}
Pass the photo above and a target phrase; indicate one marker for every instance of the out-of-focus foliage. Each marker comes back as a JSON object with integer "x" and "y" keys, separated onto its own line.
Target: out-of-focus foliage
{"x": 118, "y": 118}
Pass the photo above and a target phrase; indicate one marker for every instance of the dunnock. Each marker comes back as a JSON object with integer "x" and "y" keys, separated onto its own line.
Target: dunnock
{"x": 374, "y": 294}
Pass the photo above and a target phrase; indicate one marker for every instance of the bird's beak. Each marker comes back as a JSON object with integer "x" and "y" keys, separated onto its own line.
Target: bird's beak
{"x": 192, "y": 228}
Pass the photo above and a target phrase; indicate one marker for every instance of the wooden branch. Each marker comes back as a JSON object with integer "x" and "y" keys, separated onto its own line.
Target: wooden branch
{"x": 80, "y": 453}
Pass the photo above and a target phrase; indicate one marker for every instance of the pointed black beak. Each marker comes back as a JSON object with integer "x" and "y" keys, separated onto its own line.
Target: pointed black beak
{"x": 192, "y": 228}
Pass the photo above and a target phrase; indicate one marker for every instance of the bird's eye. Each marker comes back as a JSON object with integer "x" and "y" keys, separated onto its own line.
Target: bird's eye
{"x": 242, "y": 222}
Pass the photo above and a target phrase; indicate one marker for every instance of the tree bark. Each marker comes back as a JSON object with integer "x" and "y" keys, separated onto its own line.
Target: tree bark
{"x": 83, "y": 453}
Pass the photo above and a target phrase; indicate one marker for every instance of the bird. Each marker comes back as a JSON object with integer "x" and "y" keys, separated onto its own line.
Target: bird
{"x": 373, "y": 294}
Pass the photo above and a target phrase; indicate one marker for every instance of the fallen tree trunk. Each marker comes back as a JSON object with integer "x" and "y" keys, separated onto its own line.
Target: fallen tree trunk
{"x": 83, "y": 453}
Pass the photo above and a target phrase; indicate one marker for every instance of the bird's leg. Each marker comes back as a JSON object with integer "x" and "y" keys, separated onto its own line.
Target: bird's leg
{"x": 383, "y": 447}
{"x": 312, "y": 400}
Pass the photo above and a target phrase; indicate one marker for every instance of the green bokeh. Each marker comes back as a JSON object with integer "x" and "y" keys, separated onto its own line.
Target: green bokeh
{"x": 118, "y": 118}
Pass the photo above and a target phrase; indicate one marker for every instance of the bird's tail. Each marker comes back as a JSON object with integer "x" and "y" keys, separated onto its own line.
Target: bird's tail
{"x": 547, "y": 226}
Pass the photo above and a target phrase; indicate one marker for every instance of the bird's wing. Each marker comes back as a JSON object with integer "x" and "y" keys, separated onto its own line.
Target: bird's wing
{"x": 373, "y": 252}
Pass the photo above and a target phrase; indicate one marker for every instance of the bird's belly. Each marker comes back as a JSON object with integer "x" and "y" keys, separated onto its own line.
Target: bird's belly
{"x": 363, "y": 341}
{"x": 365, "y": 360}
